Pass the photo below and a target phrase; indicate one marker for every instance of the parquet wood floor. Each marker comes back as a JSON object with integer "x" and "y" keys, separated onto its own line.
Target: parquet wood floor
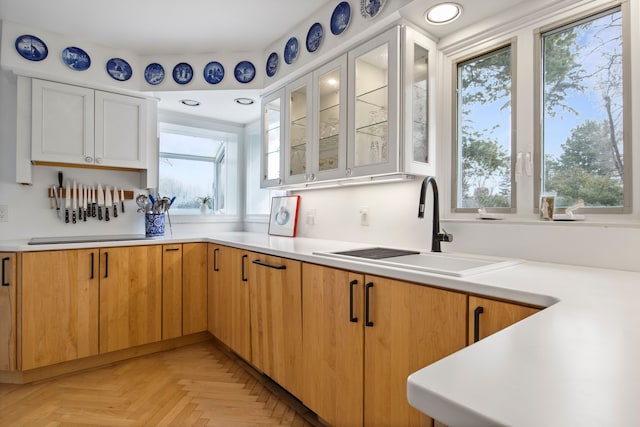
{"x": 198, "y": 385}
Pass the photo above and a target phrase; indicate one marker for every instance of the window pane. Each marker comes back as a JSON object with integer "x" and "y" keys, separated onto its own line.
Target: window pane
{"x": 192, "y": 168}
{"x": 582, "y": 112}
{"x": 484, "y": 131}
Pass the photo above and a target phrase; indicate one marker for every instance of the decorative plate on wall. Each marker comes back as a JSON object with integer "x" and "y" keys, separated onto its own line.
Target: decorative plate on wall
{"x": 371, "y": 8}
{"x": 76, "y": 58}
{"x": 340, "y": 18}
{"x": 214, "y": 72}
{"x": 272, "y": 64}
{"x": 119, "y": 69}
{"x": 182, "y": 73}
{"x": 31, "y": 47}
{"x": 314, "y": 37}
{"x": 244, "y": 71}
{"x": 154, "y": 73}
{"x": 291, "y": 50}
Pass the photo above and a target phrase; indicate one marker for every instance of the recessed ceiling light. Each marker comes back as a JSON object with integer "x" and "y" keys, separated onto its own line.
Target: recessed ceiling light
{"x": 190, "y": 102}
{"x": 244, "y": 101}
{"x": 443, "y": 13}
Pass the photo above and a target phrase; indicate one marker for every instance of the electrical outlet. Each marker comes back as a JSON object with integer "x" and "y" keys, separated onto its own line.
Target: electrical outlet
{"x": 4, "y": 213}
{"x": 311, "y": 217}
{"x": 364, "y": 216}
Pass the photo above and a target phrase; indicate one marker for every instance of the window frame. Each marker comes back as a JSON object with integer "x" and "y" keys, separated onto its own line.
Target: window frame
{"x": 172, "y": 122}
{"x": 455, "y": 172}
{"x": 572, "y": 20}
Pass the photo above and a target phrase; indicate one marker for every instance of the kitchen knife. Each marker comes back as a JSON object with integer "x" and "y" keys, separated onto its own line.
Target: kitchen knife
{"x": 122, "y": 200}
{"x": 67, "y": 202}
{"x": 116, "y": 200}
{"x": 93, "y": 202}
{"x": 107, "y": 202}
{"x": 85, "y": 189}
{"x": 74, "y": 201}
{"x": 100, "y": 202}
{"x": 55, "y": 198}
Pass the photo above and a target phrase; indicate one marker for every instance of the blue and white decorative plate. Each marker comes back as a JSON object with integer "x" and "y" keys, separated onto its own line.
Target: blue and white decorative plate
{"x": 291, "y": 50}
{"x": 272, "y": 64}
{"x": 76, "y": 58}
{"x": 214, "y": 72}
{"x": 314, "y": 37}
{"x": 154, "y": 73}
{"x": 31, "y": 47}
{"x": 119, "y": 69}
{"x": 182, "y": 73}
{"x": 340, "y": 18}
{"x": 244, "y": 71}
{"x": 371, "y": 8}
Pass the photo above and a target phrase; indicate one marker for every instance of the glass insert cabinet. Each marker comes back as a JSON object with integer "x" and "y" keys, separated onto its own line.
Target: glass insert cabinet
{"x": 365, "y": 113}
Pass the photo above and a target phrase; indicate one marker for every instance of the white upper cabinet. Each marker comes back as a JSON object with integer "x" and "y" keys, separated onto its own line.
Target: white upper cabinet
{"x": 369, "y": 112}
{"x": 77, "y": 125}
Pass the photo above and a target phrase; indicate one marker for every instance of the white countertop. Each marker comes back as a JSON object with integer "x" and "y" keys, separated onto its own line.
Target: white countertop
{"x": 576, "y": 363}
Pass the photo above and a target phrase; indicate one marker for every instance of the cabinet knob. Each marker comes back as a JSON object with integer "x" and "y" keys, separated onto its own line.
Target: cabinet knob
{"x": 98, "y": 160}
{"x": 348, "y": 172}
{"x": 88, "y": 159}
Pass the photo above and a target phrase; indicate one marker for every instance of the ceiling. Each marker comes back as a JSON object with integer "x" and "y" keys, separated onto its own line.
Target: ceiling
{"x": 175, "y": 27}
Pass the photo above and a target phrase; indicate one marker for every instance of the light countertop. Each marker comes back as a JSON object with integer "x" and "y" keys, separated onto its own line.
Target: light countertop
{"x": 573, "y": 364}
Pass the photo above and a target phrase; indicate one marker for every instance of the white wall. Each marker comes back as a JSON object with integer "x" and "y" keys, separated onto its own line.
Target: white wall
{"x": 393, "y": 219}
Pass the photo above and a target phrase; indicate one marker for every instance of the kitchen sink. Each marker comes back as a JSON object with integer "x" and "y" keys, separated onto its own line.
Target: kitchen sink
{"x": 430, "y": 262}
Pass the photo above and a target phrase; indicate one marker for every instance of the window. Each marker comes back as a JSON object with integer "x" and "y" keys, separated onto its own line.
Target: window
{"x": 582, "y": 144}
{"x": 483, "y": 132}
{"x": 194, "y": 167}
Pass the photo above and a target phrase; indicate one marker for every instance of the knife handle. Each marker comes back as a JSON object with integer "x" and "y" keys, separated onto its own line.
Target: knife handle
{"x": 93, "y": 210}
{"x": 99, "y": 213}
{"x": 84, "y": 215}
{"x": 73, "y": 216}
{"x": 115, "y": 211}
{"x": 66, "y": 216}
{"x": 106, "y": 213}
{"x": 122, "y": 206}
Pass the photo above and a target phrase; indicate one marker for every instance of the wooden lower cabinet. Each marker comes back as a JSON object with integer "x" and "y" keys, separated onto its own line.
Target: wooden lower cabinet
{"x": 488, "y": 316}
{"x": 228, "y": 298}
{"x": 276, "y": 319}
{"x": 60, "y": 304}
{"x": 356, "y": 366}
{"x": 333, "y": 344}
{"x": 194, "y": 288}
{"x": 8, "y": 311}
{"x": 171, "y": 291}
{"x": 130, "y": 296}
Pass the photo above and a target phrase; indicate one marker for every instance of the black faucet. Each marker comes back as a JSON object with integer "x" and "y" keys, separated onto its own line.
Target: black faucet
{"x": 436, "y": 235}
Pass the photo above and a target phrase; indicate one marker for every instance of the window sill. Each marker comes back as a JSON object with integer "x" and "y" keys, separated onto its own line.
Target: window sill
{"x": 606, "y": 221}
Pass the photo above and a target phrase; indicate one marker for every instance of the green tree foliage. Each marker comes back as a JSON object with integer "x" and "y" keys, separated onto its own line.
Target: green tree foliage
{"x": 486, "y": 165}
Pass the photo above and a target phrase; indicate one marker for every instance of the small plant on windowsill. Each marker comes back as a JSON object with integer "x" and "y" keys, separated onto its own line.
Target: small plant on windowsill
{"x": 205, "y": 202}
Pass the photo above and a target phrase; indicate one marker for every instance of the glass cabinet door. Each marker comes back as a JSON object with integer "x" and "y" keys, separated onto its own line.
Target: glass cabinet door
{"x": 298, "y": 136}
{"x": 329, "y": 154}
{"x": 373, "y": 144}
{"x": 272, "y": 139}
{"x": 418, "y": 113}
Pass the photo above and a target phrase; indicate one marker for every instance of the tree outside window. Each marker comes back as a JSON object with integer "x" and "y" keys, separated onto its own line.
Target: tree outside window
{"x": 484, "y": 172}
{"x": 582, "y": 112}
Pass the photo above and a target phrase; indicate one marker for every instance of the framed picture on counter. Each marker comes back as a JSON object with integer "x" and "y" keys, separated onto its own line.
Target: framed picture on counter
{"x": 284, "y": 216}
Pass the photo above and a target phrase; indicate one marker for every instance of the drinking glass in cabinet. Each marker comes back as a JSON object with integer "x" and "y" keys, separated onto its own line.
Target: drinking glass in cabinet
{"x": 272, "y": 152}
{"x": 298, "y": 131}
